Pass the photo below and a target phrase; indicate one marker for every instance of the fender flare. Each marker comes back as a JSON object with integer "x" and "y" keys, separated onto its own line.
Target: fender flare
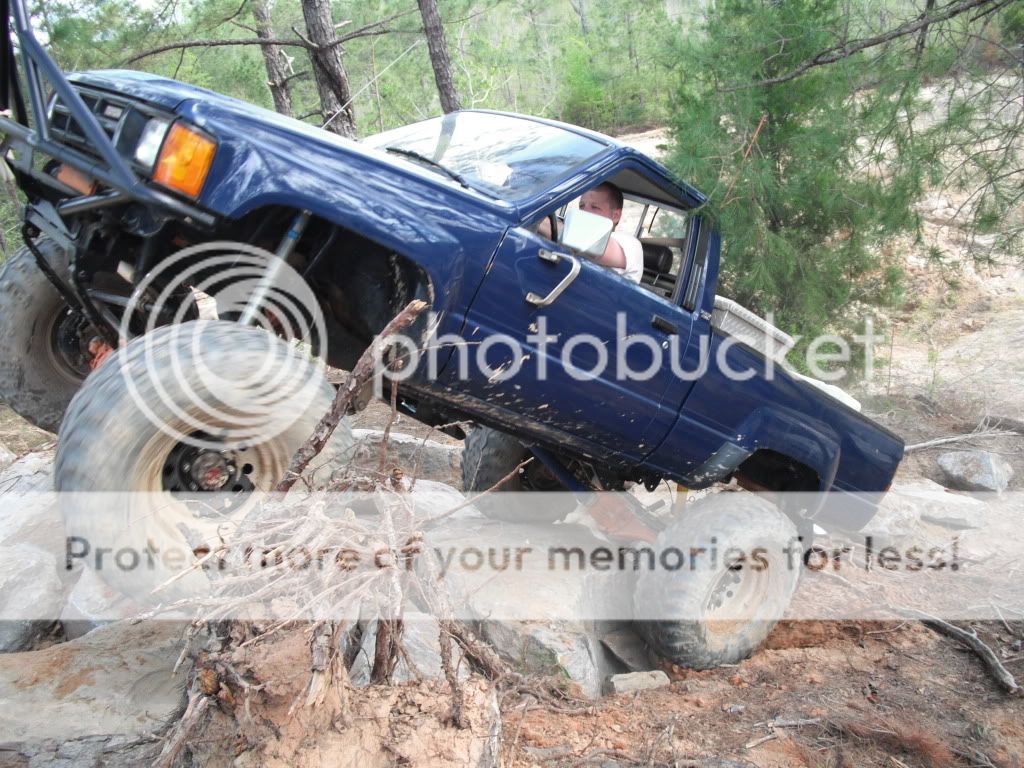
{"x": 791, "y": 434}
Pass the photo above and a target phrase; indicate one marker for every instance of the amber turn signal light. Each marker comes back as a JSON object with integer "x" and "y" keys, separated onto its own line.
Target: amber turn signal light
{"x": 184, "y": 161}
{"x": 77, "y": 180}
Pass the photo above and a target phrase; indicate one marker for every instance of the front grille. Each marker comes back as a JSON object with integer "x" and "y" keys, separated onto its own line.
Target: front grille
{"x": 111, "y": 112}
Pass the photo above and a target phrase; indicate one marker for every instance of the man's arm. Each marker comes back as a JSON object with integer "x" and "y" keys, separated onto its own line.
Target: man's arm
{"x": 613, "y": 255}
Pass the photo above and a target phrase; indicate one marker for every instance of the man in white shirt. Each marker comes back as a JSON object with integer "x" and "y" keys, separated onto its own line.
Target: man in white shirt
{"x": 624, "y": 253}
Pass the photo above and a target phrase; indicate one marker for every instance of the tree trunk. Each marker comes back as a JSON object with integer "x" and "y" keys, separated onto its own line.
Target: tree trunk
{"x": 438, "y": 48}
{"x": 277, "y": 62}
{"x": 580, "y": 6}
{"x": 328, "y": 69}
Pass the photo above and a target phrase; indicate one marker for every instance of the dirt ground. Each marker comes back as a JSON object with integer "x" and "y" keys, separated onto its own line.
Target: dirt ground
{"x": 845, "y": 694}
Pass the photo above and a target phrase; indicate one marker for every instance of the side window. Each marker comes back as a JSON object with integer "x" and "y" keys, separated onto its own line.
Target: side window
{"x": 663, "y": 235}
{"x": 632, "y": 216}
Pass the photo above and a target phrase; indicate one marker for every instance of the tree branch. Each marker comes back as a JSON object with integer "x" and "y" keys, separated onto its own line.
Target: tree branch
{"x": 375, "y": 28}
{"x": 850, "y": 47}
{"x": 361, "y": 373}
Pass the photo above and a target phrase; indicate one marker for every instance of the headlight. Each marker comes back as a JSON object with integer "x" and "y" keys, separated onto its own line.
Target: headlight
{"x": 185, "y": 159}
{"x": 150, "y": 140}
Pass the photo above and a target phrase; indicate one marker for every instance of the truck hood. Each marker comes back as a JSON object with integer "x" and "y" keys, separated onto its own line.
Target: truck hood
{"x": 161, "y": 91}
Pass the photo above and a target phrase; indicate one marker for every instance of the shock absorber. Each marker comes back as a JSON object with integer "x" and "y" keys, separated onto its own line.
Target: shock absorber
{"x": 266, "y": 282}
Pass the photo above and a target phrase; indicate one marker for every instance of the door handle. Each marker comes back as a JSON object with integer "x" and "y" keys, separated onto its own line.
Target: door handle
{"x": 663, "y": 325}
{"x": 554, "y": 258}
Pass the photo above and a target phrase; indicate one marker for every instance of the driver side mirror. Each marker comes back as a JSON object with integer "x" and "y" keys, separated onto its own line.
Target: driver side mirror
{"x": 586, "y": 232}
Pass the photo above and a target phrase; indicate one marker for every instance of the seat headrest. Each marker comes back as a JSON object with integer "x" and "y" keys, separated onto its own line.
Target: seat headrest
{"x": 657, "y": 258}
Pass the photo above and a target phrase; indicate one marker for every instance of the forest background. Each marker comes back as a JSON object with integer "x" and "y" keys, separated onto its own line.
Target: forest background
{"x": 816, "y": 127}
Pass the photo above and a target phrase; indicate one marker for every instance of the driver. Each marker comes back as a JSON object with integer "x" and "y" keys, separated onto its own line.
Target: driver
{"x": 623, "y": 254}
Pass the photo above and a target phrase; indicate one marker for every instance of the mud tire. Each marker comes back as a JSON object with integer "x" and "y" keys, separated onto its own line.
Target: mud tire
{"x": 32, "y": 380}
{"x": 696, "y": 640}
{"x": 488, "y": 456}
{"x": 108, "y": 445}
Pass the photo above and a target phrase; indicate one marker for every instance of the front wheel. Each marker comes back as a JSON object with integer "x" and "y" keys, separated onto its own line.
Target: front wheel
{"x": 44, "y": 347}
{"x": 162, "y": 447}
{"x": 725, "y": 575}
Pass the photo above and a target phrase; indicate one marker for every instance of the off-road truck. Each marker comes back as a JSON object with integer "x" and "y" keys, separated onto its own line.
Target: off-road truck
{"x": 125, "y": 171}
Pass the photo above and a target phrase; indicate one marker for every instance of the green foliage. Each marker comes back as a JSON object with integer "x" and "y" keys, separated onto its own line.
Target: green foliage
{"x": 802, "y": 200}
{"x": 1012, "y": 25}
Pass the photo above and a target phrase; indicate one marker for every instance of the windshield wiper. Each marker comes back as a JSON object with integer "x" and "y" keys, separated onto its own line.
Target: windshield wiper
{"x": 431, "y": 162}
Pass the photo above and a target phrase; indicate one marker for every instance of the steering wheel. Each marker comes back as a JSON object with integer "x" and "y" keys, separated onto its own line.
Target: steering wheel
{"x": 553, "y": 223}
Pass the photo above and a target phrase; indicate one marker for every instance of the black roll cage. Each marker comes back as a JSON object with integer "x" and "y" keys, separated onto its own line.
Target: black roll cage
{"x": 120, "y": 184}
{"x": 111, "y": 169}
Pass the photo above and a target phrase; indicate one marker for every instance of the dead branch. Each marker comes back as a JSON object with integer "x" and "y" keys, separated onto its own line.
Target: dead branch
{"x": 179, "y": 737}
{"x": 451, "y": 675}
{"x": 971, "y": 640}
{"x": 360, "y": 376}
{"x": 472, "y": 500}
{"x": 981, "y": 435}
{"x": 386, "y": 650}
{"x": 387, "y": 428}
{"x": 848, "y": 48}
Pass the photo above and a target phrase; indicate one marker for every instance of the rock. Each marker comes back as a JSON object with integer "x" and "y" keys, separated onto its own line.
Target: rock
{"x": 976, "y": 470}
{"x": 422, "y": 642}
{"x": 100, "y": 696}
{"x": 92, "y": 603}
{"x": 897, "y": 519}
{"x": 32, "y": 472}
{"x": 534, "y": 592}
{"x": 28, "y": 506}
{"x": 939, "y": 506}
{"x": 110, "y": 752}
{"x": 436, "y": 461}
{"x": 431, "y": 498}
{"x": 7, "y": 457}
{"x": 637, "y": 681}
{"x": 904, "y": 508}
{"x": 30, "y": 596}
{"x": 629, "y": 648}
{"x": 562, "y": 649}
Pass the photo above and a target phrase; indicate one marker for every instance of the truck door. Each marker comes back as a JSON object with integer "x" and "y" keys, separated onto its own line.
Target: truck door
{"x": 604, "y": 374}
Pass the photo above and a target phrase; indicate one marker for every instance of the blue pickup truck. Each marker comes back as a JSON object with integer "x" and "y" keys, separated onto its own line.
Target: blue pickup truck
{"x": 127, "y": 172}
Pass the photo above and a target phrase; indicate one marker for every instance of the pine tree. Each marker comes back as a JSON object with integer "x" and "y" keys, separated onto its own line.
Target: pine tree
{"x": 802, "y": 194}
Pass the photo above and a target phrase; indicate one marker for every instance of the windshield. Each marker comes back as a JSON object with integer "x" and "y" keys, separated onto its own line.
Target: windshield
{"x": 509, "y": 157}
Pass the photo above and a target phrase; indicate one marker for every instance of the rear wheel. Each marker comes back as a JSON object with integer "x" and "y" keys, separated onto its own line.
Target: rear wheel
{"x": 715, "y": 608}
{"x": 489, "y": 456}
{"x": 178, "y": 428}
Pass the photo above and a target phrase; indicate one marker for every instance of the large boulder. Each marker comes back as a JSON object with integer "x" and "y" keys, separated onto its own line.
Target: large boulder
{"x": 7, "y": 457}
{"x": 939, "y": 506}
{"x": 93, "y": 701}
{"x": 92, "y": 603}
{"x": 907, "y": 505}
{"x": 976, "y": 470}
{"x": 32, "y": 472}
{"x": 534, "y": 593}
{"x": 427, "y": 459}
{"x": 557, "y": 648}
{"x": 31, "y": 595}
{"x": 897, "y": 520}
